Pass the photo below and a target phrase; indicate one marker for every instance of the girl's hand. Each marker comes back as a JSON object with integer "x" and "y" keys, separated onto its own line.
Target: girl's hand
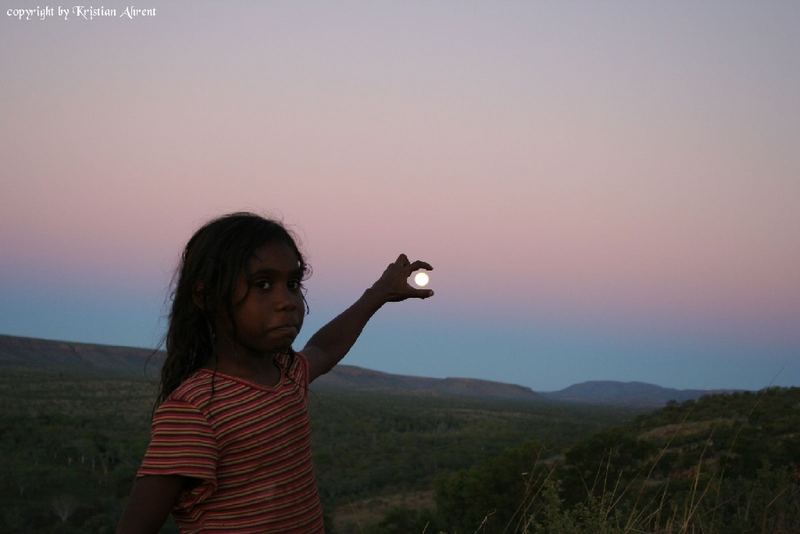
{"x": 393, "y": 286}
{"x": 333, "y": 341}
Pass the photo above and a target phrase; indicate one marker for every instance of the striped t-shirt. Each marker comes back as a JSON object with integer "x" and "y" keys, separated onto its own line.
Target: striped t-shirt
{"x": 249, "y": 446}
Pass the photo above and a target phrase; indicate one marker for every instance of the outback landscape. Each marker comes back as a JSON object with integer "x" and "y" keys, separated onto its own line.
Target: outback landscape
{"x": 604, "y": 198}
{"x": 410, "y": 454}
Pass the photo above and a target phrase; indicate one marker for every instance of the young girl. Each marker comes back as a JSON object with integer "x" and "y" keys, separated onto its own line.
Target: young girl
{"x": 230, "y": 440}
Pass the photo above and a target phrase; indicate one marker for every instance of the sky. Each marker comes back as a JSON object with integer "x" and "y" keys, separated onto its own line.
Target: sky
{"x": 606, "y": 190}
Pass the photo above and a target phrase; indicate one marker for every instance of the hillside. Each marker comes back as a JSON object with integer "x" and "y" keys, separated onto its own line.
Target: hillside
{"x": 740, "y": 449}
{"x": 70, "y": 444}
{"x": 72, "y": 439}
{"x": 739, "y": 433}
{"x": 350, "y": 377}
{"x": 722, "y": 464}
{"x": 25, "y": 353}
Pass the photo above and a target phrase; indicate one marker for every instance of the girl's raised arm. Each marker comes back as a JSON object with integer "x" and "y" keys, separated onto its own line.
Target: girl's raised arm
{"x": 333, "y": 341}
{"x": 151, "y": 500}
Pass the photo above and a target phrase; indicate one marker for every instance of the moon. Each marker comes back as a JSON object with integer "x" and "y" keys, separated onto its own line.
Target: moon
{"x": 421, "y": 279}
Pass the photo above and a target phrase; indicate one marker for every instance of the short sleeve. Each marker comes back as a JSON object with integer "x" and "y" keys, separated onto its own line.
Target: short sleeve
{"x": 182, "y": 442}
{"x": 298, "y": 370}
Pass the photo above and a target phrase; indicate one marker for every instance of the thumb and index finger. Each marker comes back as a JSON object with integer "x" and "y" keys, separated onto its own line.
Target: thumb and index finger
{"x": 403, "y": 261}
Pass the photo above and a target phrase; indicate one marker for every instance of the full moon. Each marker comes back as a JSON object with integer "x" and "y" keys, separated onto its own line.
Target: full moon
{"x": 421, "y": 279}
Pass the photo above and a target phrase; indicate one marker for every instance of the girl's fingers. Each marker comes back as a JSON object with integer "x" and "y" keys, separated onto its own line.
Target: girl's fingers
{"x": 393, "y": 283}
{"x": 419, "y": 264}
{"x": 402, "y": 260}
{"x": 421, "y": 293}
{"x": 411, "y": 293}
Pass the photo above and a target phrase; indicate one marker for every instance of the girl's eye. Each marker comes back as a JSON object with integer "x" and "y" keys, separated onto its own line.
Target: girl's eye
{"x": 295, "y": 285}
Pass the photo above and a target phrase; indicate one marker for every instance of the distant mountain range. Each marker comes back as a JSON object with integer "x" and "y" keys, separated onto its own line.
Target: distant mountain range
{"x": 352, "y": 378}
{"x": 32, "y": 354}
{"x": 642, "y": 394}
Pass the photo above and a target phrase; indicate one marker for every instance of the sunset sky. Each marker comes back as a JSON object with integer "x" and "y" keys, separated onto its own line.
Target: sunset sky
{"x": 605, "y": 190}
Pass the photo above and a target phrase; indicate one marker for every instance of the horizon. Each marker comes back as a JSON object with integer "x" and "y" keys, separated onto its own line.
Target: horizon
{"x": 454, "y": 377}
{"x": 604, "y": 192}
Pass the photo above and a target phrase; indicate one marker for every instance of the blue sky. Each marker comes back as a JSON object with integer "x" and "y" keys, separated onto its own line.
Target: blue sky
{"x": 605, "y": 191}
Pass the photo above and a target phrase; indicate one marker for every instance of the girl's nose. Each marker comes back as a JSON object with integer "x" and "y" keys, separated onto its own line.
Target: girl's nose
{"x": 285, "y": 299}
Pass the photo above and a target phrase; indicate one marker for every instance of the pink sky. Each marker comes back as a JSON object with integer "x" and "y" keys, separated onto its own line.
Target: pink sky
{"x": 633, "y": 167}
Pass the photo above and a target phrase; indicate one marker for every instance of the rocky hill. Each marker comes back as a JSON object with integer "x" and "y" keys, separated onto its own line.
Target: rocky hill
{"x": 25, "y": 353}
{"x": 350, "y": 377}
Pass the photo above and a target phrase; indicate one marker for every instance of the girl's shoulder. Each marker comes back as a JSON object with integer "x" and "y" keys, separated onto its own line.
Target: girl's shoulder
{"x": 295, "y": 366}
{"x": 194, "y": 390}
{"x": 199, "y": 388}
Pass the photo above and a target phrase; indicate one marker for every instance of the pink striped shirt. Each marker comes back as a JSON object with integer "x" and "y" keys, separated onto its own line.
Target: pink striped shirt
{"x": 250, "y": 447}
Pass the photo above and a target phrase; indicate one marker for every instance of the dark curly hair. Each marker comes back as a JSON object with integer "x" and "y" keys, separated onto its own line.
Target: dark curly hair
{"x": 213, "y": 259}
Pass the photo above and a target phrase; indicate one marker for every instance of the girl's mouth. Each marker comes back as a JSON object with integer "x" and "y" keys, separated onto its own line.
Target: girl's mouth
{"x": 285, "y": 329}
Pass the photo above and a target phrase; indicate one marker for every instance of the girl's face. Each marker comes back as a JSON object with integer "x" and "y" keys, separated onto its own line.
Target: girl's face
{"x": 268, "y": 304}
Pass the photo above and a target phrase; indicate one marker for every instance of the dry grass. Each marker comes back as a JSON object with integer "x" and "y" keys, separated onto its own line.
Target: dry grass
{"x": 355, "y": 516}
{"x": 684, "y": 429}
{"x": 693, "y": 515}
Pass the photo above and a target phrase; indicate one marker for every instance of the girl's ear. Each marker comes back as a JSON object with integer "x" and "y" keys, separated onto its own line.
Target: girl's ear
{"x": 197, "y": 295}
